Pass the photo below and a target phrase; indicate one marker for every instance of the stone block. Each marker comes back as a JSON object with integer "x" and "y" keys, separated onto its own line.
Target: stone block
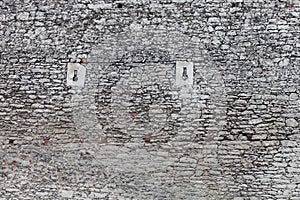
{"x": 291, "y": 122}
{"x": 67, "y": 193}
{"x": 184, "y": 73}
{"x": 76, "y": 75}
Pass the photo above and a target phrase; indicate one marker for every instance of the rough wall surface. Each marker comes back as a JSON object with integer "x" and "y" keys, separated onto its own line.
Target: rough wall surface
{"x": 131, "y": 132}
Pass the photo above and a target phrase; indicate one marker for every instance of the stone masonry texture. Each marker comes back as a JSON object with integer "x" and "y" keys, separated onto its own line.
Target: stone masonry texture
{"x": 131, "y": 132}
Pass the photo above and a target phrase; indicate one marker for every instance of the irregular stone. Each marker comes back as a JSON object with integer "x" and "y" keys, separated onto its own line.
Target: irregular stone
{"x": 293, "y": 96}
{"x": 291, "y": 122}
{"x": 255, "y": 121}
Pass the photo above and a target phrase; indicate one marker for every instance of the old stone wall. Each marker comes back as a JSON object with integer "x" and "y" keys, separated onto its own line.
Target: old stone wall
{"x": 134, "y": 131}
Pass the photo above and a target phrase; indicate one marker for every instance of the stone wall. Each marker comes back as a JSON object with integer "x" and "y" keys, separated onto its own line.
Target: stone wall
{"x": 132, "y": 131}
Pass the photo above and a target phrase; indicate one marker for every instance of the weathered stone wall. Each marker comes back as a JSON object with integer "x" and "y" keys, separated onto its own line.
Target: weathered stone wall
{"x": 132, "y": 132}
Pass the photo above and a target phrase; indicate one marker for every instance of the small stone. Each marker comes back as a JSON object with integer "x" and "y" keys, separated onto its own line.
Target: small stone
{"x": 32, "y": 96}
{"x": 66, "y": 193}
{"x": 284, "y": 62}
{"x": 293, "y": 96}
{"x": 23, "y": 16}
{"x": 97, "y": 7}
{"x": 147, "y": 138}
{"x": 240, "y": 102}
{"x": 83, "y": 60}
{"x": 135, "y": 27}
{"x": 97, "y": 195}
{"x": 45, "y": 140}
{"x": 213, "y": 20}
{"x": 12, "y": 190}
{"x": 255, "y": 121}
{"x": 42, "y": 193}
{"x": 162, "y": 154}
{"x": 259, "y": 137}
{"x": 248, "y": 177}
{"x": 225, "y": 46}
{"x": 133, "y": 114}
{"x": 291, "y": 122}
{"x": 103, "y": 139}
{"x": 238, "y": 198}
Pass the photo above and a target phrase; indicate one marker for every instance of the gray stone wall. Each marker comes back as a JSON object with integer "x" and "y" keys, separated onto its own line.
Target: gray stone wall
{"x": 133, "y": 132}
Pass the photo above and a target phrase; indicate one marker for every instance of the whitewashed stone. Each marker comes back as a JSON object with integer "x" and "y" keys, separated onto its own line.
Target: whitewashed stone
{"x": 66, "y": 193}
{"x": 76, "y": 75}
{"x": 184, "y": 73}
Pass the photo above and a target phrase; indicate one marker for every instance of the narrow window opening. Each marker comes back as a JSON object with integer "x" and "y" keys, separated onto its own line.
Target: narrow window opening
{"x": 75, "y": 77}
{"x": 184, "y": 74}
